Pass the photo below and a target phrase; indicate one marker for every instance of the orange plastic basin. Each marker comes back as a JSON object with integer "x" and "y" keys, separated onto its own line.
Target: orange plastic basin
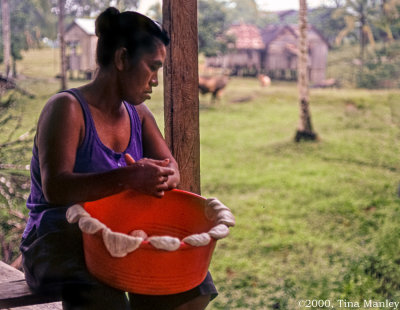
{"x": 148, "y": 270}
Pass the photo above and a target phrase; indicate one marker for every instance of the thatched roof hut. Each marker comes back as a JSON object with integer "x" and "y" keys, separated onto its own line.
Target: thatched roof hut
{"x": 274, "y": 51}
{"x": 247, "y": 47}
{"x": 281, "y": 50}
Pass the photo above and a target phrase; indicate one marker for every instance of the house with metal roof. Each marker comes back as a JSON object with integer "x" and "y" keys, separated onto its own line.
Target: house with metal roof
{"x": 81, "y": 43}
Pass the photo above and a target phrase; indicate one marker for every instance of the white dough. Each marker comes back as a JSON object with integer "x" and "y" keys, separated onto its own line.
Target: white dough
{"x": 165, "y": 243}
{"x": 210, "y": 213}
{"x": 75, "y": 212}
{"x": 90, "y": 225}
{"x": 217, "y": 211}
{"x": 119, "y": 244}
{"x": 216, "y": 205}
{"x": 225, "y": 217}
{"x": 220, "y": 231}
{"x": 138, "y": 233}
{"x": 198, "y": 239}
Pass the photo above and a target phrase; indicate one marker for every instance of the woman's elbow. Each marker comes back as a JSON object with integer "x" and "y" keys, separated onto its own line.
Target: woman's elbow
{"x": 54, "y": 193}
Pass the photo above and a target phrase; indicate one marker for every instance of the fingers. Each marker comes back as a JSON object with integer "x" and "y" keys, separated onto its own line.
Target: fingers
{"x": 154, "y": 175}
{"x": 163, "y": 179}
{"x": 160, "y": 189}
{"x": 166, "y": 172}
{"x": 162, "y": 163}
{"x": 129, "y": 159}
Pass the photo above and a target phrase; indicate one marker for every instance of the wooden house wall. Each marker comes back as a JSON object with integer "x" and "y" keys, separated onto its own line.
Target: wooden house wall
{"x": 244, "y": 58}
{"x": 241, "y": 58}
{"x": 277, "y": 58}
{"x": 318, "y": 56}
{"x": 92, "y": 59}
{"x": 86, "y": 56}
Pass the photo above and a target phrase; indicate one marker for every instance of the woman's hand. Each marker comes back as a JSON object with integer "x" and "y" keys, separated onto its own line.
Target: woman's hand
{"x": 154, "y": 145}
{"x": 149, "y": 176}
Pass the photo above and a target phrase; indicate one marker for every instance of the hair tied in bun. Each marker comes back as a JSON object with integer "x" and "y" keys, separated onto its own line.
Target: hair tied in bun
{"x": 158, "y": 25}
{"x": 135, "y": 32}
{"x": 107, "y": 22}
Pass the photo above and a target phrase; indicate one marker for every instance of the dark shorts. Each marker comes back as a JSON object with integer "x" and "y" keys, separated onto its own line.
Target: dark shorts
{"x": 54, "y": 264}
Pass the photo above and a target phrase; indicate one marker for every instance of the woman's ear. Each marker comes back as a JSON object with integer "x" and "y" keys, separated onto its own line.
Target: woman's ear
{"x": 121, "y": 58}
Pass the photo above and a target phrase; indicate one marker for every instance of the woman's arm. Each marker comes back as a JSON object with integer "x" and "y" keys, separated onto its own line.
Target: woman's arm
{"x": 154, "y": 145}
{"x": 60, "y": 132}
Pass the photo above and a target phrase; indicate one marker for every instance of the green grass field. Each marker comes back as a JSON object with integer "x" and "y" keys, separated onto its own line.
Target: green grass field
{"x": 315, "y": 221}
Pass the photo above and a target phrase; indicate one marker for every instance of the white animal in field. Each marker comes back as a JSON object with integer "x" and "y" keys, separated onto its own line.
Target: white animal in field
{"x": 265, "y": 80}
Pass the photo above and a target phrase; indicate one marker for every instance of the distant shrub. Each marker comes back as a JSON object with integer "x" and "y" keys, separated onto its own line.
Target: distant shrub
{"x": 381, "y": 68}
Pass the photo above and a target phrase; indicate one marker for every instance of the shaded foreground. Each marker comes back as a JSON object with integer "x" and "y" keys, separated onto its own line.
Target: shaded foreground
{"x": 314, "y": 220}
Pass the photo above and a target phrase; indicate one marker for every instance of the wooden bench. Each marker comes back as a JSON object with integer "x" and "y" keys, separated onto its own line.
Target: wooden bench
{"x": 15, "y": 293}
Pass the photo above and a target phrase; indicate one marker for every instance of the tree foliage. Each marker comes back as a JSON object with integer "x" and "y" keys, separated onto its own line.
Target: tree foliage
{"x": 369, "y": 20}
{"x": 33, "y": 20}
{"x": 81, "y": 8}
{"x": 212, "y": 23}
{"x": 215, "y": 16}
{"x": 381, "y": 68}
{"x": 30, "y": 22}
{"x": 323, "y": 19}
{"x": 155, "y": 12}
{"x": 358, "y": 15}
{"x": 245, "y": 11}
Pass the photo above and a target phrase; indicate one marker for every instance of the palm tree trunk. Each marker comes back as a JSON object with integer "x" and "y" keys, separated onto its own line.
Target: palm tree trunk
{"x": 5, "y": 16}
{"x": 362, "y": 37}
{"x": 61, "y": 5}
{"x": 305, "y": 128}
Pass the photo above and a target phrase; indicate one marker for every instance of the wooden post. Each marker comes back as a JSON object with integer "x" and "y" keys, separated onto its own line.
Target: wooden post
{"x": 181, "y": 92}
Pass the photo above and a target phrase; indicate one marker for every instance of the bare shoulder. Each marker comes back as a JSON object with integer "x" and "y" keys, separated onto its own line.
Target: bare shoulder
{"x": 62, "y": 110}
{"x": 144, "y": 112}
{"x": 62, "y": 105}
{"x": 62, "y": 102}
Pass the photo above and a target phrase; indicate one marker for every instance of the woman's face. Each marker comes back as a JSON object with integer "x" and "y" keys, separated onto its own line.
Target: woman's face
{"x": 138, "y": 80}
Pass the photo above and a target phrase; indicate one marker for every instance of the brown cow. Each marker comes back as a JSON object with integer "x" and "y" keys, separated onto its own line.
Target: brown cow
{"x": 213, "y": 85}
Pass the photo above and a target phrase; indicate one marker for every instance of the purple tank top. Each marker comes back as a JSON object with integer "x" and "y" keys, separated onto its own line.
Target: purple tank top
{"x": 92, "y": 156}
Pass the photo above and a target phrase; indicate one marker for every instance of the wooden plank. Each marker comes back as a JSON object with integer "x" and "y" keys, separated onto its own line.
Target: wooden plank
{"x": 49, "y": 306}
{"x": 17, "y": 293}
{"x": 8, "y": 273}
{"x": 181, "y": 92}
{"x": 14, "y": 292}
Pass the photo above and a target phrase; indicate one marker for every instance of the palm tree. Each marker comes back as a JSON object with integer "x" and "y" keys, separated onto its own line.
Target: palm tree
{"x": 61, "y": 8}
{"x": 388, "y": 17}
{"x": 358, "y": 13}
{"x": 305, "y": 128}
{"x": 5, "y": 14}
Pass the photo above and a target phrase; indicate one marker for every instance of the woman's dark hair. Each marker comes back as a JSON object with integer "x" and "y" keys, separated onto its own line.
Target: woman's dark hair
{"x": 134, "y": 31}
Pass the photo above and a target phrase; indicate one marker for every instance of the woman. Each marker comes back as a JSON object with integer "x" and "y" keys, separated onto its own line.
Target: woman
{"x": 95, "y": 141}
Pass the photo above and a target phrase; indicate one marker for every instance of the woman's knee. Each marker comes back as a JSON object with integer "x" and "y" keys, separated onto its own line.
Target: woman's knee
{"x": 90, "y": 297}
{"x": 198, "y": 303}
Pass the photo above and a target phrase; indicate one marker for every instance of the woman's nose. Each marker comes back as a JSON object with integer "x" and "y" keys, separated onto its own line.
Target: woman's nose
{"x": 154, "y": 81}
